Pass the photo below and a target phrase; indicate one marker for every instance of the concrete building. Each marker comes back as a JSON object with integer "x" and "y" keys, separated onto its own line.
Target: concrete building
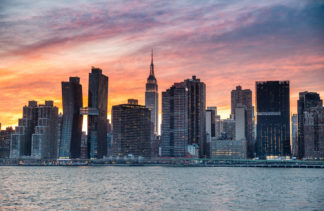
{"x": 314, "y": 133}
{"x": 72, "y": 119}
{"x": 174, "y": 133}
{"x": 45, "y": 138}
{"x": 152, "y": 98}
{"x": 97, "y": 114}
{"x": 131, "y": 130}
{"x": 240, "y": 125}
{"x": 5, "y": 137}
{"x": 306, "y": 100}
{"x": 273, "y": 118}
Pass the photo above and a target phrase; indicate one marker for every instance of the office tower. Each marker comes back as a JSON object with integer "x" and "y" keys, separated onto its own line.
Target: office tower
{"x": 228, "y": 129}
{"x": 240, "y": 122}
{"x": 131, "y": 130}
{"x": 197, "y": 114}
{"x": 5, "y": 137}
{"x": 273, "y": 129}
{"x": 306, "y": 100}
{"x": 294, "y": 138}
{"x": 21, "y": 139}
{"x": 45, "y": 138}
{"x": 244, "y": 99}
{"x": 210, "y": 122}
{"x": 152, "y": 97}
{"x": 174, "y": 133}
{"x": 218, "y": 124}
{"x": 97, "y": 114}
{"x": 314, "y": 133}
{"x": 72, "y": 119}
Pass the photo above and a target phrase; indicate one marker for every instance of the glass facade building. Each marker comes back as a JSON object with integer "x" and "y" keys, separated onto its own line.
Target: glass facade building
{"x": 97, "y": 124}
{"x": 273, "y": 119}
{"x": 70, "y": 146}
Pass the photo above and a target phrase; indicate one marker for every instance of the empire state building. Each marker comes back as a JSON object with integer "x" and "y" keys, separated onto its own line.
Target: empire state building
{"x": 152, "y": 97}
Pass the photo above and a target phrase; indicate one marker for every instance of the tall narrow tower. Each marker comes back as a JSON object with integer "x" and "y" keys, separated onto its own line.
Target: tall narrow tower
{"x": 152, "y": 97}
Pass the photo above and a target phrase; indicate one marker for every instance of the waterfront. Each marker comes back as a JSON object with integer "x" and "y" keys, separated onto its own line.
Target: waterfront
{"x": 161, "y": 188}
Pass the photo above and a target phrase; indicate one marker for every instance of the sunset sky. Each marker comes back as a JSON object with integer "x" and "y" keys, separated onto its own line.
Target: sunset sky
{"x": 224, "y": 43}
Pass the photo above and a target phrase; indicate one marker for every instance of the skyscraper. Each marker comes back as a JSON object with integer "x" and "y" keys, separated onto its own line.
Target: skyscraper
{"x": 72, "y": 119}
{"x": 21, "y": 139}
{"x": 197, "y": 114}
{"x": 152, "y": 97}
{"x": 45, "y": 138}
{"x": 131, "y": 130}
{"x": 273, "y": 128}
{"x": 174, "y": 133}
{"x": 306, "y": 100}
{"x": 5, "y": 137}
{"x": 97, "y": 119}
{"x": 244, "y": 99}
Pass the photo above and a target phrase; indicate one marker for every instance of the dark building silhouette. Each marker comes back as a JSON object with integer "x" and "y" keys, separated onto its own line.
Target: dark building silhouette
{"x": 314, "y": 133}
{"x": 72, "y": 119}
{"x": 273, "y": 117}
{"x": 306, "y": 100}
{"x": 152, "y": 97}
{"x": 244, "y": 99}
{"x": 97, "y": 113}
{"x": 197, "y": 114}
{"x": 174, "y": 133}
{"x": 131, "y": 130}
{"x": 294, "y": 137}
{"x": 46, "y": 136}
{"x": 5, "y": 137}
{"x": 21, "y": 139}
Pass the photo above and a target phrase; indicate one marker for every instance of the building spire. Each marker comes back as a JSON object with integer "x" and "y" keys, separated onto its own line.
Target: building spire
{"x": 152, "y": 65}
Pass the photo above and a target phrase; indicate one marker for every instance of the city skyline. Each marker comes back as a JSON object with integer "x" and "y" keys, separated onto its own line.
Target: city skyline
{"x": 223, "y": 44}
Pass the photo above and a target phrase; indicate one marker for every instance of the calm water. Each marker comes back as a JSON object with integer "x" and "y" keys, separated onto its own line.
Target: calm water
{"x": 160, "y": 188}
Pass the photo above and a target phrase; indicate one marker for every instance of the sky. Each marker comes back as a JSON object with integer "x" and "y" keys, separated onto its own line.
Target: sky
{"x": 224, "y": 43}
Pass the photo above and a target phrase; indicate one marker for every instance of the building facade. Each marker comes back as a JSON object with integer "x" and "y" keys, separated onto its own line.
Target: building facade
{"x": 228, "y": 149}
{"x": 294, "y": 135}
{"x": 97, "y": 117}
{"x": 314, "y": 133}
{"x": 152, "y": 97}
{"x": 20, "y": 144}
{"x": 174, "y": 133}
{"x": 131, "y": 130}
{"x": 5, "y": 137}
{"x": 243, "y": 97}
{"x": 197, "y": 114}
{"x": 273, "y": 119}
{"x": 70, "y": 146}
{"x": 306, "y": 100}
{"x": 45, "y": 139}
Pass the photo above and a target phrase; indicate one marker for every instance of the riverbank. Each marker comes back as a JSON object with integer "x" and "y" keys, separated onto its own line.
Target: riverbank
{"x": 168, "y": 162}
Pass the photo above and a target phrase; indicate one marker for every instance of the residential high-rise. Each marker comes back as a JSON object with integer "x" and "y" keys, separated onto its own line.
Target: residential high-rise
{"x": 20, "y": 144}
{"x": 240, "y": 123}
{"x": 244, "y": 99}
{"x": 45, "y": 138}
{"x": 72, "y": 119}
{"x": 306, "y": 100}
{"x": 131, "y": 130}
{"x": 273, "y": 117}
{"x": 294, "y": 138}
{"x": 174, "y": 133}
{"x": 314, "y": 133}
{"x": 97, "y": 114}
{"x": 210, "y": 122}
{"x": 197, "y": 114}
{"x": 152, "y": 97}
